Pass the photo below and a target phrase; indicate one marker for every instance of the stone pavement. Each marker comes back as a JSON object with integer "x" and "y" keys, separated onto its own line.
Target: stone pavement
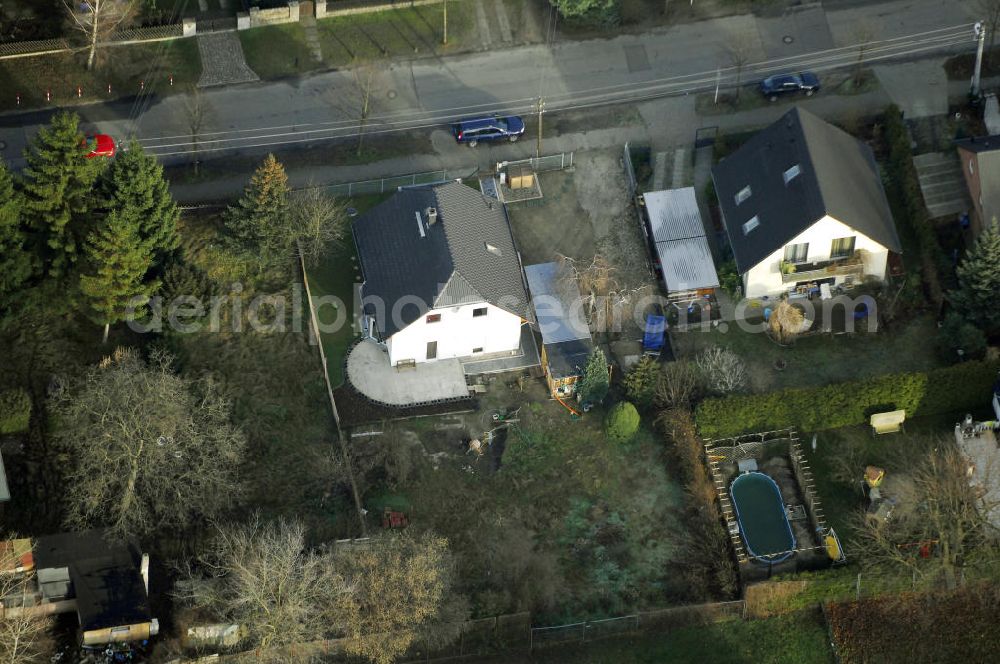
{"x": 308, "y": 24}
{"x": 370, "y": 373}
{"x": 222, "y": 60}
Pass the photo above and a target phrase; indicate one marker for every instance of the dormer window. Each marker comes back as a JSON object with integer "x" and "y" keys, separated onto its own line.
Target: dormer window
{"x": 753, "y": 223}
{"x": 743, "y": 194}
{"x": 792, "y": 173}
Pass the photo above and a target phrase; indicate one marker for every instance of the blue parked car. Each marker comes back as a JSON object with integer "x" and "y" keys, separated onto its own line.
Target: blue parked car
{"x": 488, "y": 128}
{"x": 783, "y": 84}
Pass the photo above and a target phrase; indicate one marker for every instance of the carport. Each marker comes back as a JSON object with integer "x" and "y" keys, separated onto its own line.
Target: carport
{"x": 677, "y": 235}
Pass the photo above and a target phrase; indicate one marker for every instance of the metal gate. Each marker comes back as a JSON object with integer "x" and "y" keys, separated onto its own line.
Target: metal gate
{"x": 216, "y": 24}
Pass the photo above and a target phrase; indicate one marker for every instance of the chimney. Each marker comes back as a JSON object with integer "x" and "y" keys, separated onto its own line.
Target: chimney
{"x": 432, "y": 216}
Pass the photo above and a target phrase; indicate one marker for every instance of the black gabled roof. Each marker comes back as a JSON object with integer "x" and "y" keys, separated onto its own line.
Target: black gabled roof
{"x": 105, "y": 577}
{"x": 838, "y": 176}
{"x": 449, "y": 264}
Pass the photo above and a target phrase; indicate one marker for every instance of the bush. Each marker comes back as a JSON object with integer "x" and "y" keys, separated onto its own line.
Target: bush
{"x": 15, "y": 411}
{"x": 957, "y": 334}
{"x": 948, "y": 390}
{"x": 621, "y": 423}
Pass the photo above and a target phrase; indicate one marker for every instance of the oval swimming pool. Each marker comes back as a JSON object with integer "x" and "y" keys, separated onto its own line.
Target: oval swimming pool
{"x": 760, "y": 512}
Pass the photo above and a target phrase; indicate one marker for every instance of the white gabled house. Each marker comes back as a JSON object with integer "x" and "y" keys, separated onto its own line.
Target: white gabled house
{"x": 803, "y": 205}
{"x": 442, "y": 278}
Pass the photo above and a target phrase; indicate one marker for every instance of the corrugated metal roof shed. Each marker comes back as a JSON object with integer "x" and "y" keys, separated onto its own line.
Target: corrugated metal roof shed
{"x": 673, "y": 214}
{"x": 679, "y": 238}
{"x": 555, "y": 321}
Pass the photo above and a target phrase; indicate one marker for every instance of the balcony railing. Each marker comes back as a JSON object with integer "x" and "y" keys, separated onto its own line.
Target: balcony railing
{"x": 835, "y": 267}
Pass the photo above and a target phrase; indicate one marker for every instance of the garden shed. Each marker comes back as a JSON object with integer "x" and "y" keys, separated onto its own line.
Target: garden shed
{"x": 677, "y": 236}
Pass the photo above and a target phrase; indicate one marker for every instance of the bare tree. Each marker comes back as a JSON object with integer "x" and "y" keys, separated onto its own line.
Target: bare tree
{"x": 367, "y": 80}
{"x": 723, "y": 370}
{"x": 606, "y": 299}
{"x": 319, "y": 221}
{"x": 147, "y": 450}
{"x": 864, "y": 36}
{"x": 194, "y": 113}
{"x": 740, "y": 50}
{"x": 941, "y": 528}
{"x": 677, "y": 386}
{"x": 263, "y": 577}
{"x": 24, "y": 634}
{"x": 97, "y": 20}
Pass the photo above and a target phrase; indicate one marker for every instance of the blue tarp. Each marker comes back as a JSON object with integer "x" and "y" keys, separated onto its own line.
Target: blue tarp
{"x": 652, "y": 338}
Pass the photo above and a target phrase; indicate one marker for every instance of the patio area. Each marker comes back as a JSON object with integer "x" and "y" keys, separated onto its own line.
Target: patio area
{"x": 526, "y": 357}
{"x": 369, "y": 371}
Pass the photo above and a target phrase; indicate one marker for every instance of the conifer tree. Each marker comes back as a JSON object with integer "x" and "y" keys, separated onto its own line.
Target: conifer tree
{"x": 57, "y": 188}
{"x": 258, "y": 223}
{"x": 134, "y": 185}
{"x": 15, "y": 262}
{"x": 595, "y": 384}
{"x": 113, "y": 284}
{"x": 979, "y": 281}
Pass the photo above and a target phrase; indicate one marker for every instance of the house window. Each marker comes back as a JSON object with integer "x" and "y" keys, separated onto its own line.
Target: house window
{"x": 753, "y": 223}
{"x": 432, "y": 350}
{"x": 477, "y": 350}
{"x": 842, "y": 247}
{"x": 797, "y": 253}
{"x": 743, "y": 194}
{"x": 481, "y": 311}
{"x": 792, "y": 173}
{"x": 433, "y": 318}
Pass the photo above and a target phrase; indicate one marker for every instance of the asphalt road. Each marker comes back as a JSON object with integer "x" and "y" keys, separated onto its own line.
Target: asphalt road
{"x": 254, "y": 118}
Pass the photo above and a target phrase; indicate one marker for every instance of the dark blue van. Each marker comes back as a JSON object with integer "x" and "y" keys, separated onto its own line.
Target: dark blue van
{"x": 488, "y": 128}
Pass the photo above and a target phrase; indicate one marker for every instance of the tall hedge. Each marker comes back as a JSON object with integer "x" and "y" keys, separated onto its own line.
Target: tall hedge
{"x": 963, "y": 386}
{"x": 15, "y": 411}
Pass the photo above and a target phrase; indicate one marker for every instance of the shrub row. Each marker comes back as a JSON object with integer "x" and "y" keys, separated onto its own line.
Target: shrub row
{"x": 15, "y": 411}
{"x": 945, "y": 390}
{"x": 907, "y": 202}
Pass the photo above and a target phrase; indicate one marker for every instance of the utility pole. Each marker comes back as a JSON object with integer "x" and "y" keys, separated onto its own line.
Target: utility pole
{"x": 538, "y": 143}
{"x": 444, "y": 40}
{"x": 980, "y": 32}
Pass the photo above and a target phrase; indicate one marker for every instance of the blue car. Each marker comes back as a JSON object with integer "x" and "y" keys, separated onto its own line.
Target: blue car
{"x": 783, "y": 84}
{"x": 488, "y": 128}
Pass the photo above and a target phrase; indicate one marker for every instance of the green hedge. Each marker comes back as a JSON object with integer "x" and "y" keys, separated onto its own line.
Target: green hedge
{"x": 946, "y": 390}
{"x": 15, "y": 411}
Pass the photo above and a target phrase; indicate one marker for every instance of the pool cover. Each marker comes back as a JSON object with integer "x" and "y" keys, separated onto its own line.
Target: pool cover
{"x": 761, "y": 514}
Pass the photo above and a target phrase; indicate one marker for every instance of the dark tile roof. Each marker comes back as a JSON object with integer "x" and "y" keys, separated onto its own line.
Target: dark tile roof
{"x": 838, "y": 176}
{"x": 104, "y": 574}
{"x": 443, "y": 264}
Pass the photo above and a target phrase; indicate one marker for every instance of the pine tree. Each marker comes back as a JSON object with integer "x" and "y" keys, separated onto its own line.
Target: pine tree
{"x": 134, "y": 185}
{"x": 258, "y": 223}
{"x": 594, "y": 386}
{"x": 15, "y": 262}
{"x": 58, "y": 182}
{"x": 113, "y": 284}
{"x": 979, "y": 281}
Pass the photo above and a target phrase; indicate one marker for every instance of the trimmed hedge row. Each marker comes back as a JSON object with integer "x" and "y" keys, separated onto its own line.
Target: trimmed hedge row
{"x": 15, "y": 411}
{"x": 907, "y": 202}
{"x": 946, "y": 390}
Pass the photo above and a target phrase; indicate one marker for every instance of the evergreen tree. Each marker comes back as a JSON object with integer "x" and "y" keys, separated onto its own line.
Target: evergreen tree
{"x": 979, "y": 281}
{"x": 113, "y": 284}
{"x": 57, "y": 193}
{"x": 134, "y": 185}
{"x": 15, "y": 262}
{"x": 640, "y": 382}
{"x": 594, "y": 386}
{"x": 258, "y": 223}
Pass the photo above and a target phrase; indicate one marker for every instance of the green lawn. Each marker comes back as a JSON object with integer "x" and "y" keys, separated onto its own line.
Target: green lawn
{"x": 123, "y": 67}
{"x": 799, "y": 638}
{"x": 336, "y": 276}
{"x": 821, "y": 359}
{"x": 281, "y": 50}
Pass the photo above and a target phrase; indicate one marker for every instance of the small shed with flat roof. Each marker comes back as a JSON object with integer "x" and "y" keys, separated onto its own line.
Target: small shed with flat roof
{"x": 566, "y": 340}
{"x": 677, "y": 235}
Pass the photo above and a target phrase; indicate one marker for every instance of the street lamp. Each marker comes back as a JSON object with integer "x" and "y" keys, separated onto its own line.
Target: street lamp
{"x": 979, "y": 30}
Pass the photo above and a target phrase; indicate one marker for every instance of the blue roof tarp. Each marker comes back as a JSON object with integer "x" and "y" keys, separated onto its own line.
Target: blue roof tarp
{"x": 656, "y": 327}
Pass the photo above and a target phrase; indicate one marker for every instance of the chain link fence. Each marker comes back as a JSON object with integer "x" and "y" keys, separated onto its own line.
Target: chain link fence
{"x": 388, "y": 184}
{"x": 552, "y": 162}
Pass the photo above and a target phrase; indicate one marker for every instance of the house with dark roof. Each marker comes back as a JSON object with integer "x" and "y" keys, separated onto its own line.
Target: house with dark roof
{"x": 803, "y": 205}
{"x": 442, "y": 278}
{"x": 980, "y": 159}
{"x": 105, "y": 582}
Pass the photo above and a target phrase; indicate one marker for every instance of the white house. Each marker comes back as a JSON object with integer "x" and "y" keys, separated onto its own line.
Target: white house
{"x": 442, "y": 277}
{"x": 803, "y": 205}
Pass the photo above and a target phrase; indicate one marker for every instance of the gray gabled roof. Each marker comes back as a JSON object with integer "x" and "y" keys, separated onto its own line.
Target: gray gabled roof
{"x": 837, "y": 176}
{"x": 468, "y": 256}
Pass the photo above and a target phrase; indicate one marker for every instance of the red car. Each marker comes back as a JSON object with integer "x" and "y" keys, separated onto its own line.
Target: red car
{"x": 99, "y": 145}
